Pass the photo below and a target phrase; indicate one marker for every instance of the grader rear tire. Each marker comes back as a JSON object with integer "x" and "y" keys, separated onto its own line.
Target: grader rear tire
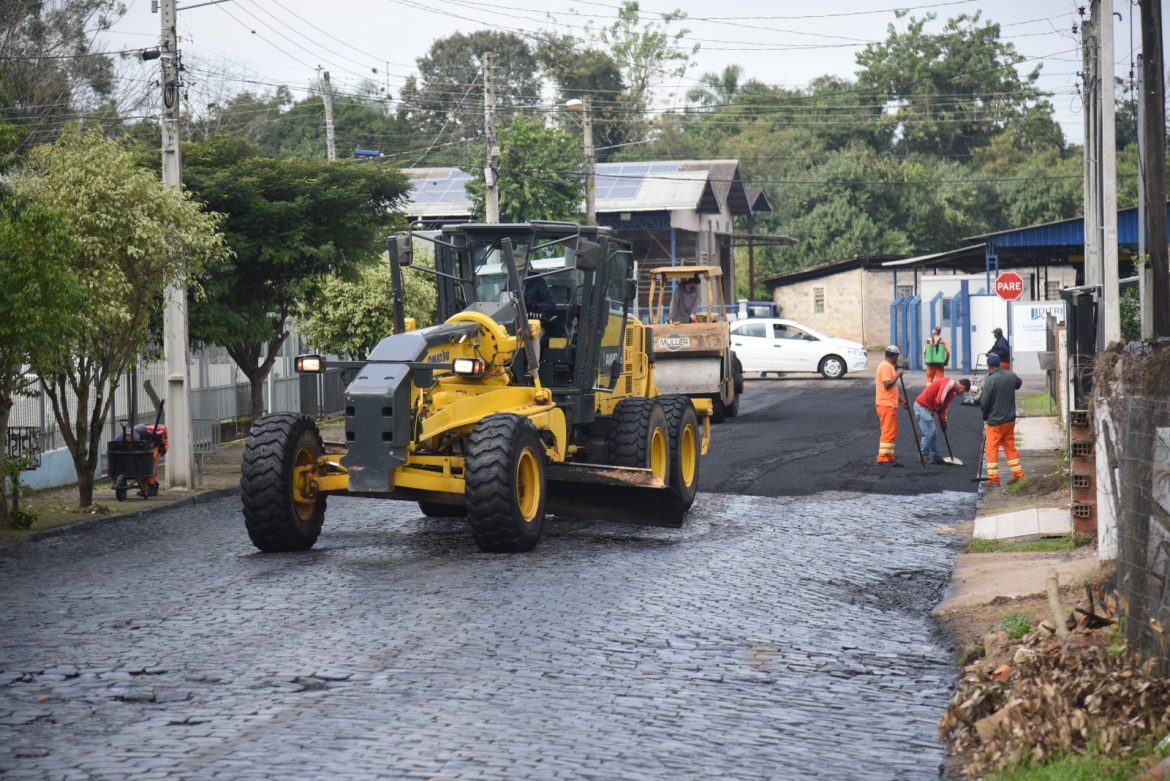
{"x": 639, "y": 436}
{"x": 505, "y": 484}
{"x": 275, "y": 520}
{"x": 686, "y": 442}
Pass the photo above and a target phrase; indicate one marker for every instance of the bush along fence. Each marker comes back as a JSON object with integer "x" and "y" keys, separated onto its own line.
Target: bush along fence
{"x": 1132, "y": 412}
{"x": 220, "y": 408}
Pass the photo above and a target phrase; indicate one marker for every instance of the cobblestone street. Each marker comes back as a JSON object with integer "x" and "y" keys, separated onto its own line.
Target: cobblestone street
{"x": 769, "y": 638}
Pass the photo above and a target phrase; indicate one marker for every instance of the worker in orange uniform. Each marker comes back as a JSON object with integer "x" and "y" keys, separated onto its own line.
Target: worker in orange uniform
{"x": 886, "y": 401}
{"x": 936, "y": 355}
{"x": 998, "y": 400}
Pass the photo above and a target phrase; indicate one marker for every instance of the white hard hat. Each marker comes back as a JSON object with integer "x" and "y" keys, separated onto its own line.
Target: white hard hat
{"x": 893, "y": 350}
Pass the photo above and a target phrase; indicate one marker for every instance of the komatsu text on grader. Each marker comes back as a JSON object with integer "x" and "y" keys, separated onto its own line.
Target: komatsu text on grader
{"x": 495, "y": 414}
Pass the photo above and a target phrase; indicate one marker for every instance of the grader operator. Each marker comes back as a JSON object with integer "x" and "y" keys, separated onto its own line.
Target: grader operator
{"x": 494, "y": 414}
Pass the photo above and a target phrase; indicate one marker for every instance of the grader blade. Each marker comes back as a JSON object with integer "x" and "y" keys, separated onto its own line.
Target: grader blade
{"x": 610, "y": 493}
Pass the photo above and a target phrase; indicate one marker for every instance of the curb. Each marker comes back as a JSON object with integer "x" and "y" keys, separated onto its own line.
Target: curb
{"x": 83, "y": 524}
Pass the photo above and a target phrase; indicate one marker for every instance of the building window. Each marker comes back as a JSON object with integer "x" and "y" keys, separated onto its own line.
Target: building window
{"x": 1052, "y": 291}
{"x": 905, "y": 290}
{"x": 945, "y": 305}
{"x": 818, "y": 300}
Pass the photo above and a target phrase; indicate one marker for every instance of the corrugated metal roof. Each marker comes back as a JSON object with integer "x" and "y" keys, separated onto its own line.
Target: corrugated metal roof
{"x": 660, "y": 185}
{"x": 974, "y": 253}
{"x": 825, "y": 269}
{"x": 1064, "y": 233}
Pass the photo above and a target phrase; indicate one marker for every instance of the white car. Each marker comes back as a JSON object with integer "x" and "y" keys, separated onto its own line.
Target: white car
{"x": 769, "y": 344}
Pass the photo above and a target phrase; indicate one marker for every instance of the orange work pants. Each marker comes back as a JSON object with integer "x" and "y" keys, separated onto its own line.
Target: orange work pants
{"x": 888, "y": 417}
{"x": 934, "y": 371}
{"x": 1002, "y": 435}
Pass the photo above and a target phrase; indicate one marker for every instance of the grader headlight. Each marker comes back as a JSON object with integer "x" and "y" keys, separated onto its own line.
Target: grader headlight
{"x": 310, "y": 364}
{"x": 469, "y": 367}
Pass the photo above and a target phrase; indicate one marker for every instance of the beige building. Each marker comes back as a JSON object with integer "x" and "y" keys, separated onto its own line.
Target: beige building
{"x": 849, "y": 299}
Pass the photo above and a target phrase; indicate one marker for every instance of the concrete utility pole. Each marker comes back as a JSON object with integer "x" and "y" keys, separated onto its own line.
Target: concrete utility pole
{"x": 491, "y": 192}
{"x": 1110, "y": 312}
{"x": 327, "y": 96}
{"x": 581, "y": 106}
{"x": 1092, "y": 236}
{"x": 1146, "y": 313}
{"x": 1154, "y": 157}
{"x": 181, "y": 458}
{"x": 590, "y": 164}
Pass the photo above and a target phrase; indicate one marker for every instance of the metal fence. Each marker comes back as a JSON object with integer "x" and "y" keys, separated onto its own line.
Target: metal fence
{"x": 1142, "y": 452}
{"x": 220, "y": 398}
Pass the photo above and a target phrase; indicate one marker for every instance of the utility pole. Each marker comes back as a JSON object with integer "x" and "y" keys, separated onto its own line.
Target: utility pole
{"x": 1089, "y": 53}
{"x": 590, "y": 164}
{"x": 1110, "y": 290}
{"x": 1143, "y": 267}
{"x": 327, "y": 96}
{"x": 181, "y": 458}
{"x": 1154, "y": 156}
{"x": 491, "y": 191}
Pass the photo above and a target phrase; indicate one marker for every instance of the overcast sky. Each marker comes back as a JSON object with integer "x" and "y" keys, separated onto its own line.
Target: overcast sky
{"x": 259, "y": 42}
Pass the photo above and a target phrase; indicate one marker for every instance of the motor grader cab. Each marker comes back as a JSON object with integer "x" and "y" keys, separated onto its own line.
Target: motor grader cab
{"x": 695, "y": 358}
{"x": 495, "y": 414}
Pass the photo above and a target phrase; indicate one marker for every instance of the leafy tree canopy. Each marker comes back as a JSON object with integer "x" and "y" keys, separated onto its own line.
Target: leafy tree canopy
{"x": 290, "y": 223}
{"x": 954, "y": 89}
{"x": 132, "y": 237}
{"x": 50, "y": 68}
{"x": 447, "y": 96}
{"x": 541, "y": 176}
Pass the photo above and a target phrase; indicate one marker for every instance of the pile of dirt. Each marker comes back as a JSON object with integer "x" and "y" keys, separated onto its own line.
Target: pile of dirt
{"x": 1040, "y": 696}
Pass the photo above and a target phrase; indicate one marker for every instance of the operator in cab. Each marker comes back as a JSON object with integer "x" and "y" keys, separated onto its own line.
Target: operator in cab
{"x": 685, "y": 301}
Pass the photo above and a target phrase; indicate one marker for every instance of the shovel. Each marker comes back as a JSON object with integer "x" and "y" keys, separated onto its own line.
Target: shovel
{"x": 913, "y": 425}
{"x": 950, "y": 459}
{"x": 979, "y": 478}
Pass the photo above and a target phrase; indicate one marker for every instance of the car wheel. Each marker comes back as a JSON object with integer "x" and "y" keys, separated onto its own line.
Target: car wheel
{"x": 832, "y": 367}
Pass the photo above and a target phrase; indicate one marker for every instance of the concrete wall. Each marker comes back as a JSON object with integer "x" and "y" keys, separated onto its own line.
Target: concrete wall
{"x": 856, "y": 305}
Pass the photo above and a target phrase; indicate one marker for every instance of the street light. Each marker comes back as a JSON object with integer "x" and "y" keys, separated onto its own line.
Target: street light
{"x": 582, "y": 106}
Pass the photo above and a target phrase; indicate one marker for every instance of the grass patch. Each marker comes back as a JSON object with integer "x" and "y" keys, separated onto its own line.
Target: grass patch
{"x": 1067, "y": 542}
{"x": 1016, "y": 625}
{"x": 1036, "y": 404}
{"x": 1084, "y": 767}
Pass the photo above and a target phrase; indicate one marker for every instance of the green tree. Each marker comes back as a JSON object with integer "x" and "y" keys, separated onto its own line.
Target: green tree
{"x": 717, "y": 89}
{"x": 41, "y": 299}
{"x": 133, "y": 236}
{"x": 447, "y": 96}
{"x": 646, "y": 53}
{"x": 350, "y": 316}
{"x": 955, "y": 89}
{"x": 290, "y": 223}
{"x": 578, "y": 72}
{"x": 245, "y": 114}
{"x": 359, "y": 120}
{"x": 541, "y": 176}
{"x": 50, "y": 70}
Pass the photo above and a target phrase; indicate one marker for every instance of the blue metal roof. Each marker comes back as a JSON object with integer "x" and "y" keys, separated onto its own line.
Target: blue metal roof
{"x": 1066, "y": 233}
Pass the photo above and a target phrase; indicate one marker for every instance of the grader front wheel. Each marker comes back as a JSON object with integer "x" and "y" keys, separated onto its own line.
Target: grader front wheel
{"x": 505, "y": 484}
{"x": 282, "y": 512}
{"x": 686, "y": 442}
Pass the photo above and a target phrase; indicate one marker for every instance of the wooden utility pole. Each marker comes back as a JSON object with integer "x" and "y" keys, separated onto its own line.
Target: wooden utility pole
{"x": 491, "y": 191}
{"x": 327, "y": 96}
{"x": 181, "y": 458}
{"x": 1154, "y": 156}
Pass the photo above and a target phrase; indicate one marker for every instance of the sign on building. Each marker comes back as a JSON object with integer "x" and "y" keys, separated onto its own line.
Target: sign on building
{"x": 1030, "y": 323}
{"x": 1009, "y": 286}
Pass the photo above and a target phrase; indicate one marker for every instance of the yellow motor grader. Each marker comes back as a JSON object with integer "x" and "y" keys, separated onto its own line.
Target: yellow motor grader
{"x": 693, "y": 356}
{"x": 499, "y": 414}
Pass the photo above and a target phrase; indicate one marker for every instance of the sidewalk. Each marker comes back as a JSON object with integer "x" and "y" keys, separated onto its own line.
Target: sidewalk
{"x": 1021, "y": 535}
{"x": 57, "y": 512}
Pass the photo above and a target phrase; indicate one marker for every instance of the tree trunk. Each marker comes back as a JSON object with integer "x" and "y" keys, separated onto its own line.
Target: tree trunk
{"x": 247, "y": 357}
{"x": 5, "y": 409}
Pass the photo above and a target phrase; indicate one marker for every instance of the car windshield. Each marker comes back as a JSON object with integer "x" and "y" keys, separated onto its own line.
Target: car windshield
{"x": 556, "y": 263}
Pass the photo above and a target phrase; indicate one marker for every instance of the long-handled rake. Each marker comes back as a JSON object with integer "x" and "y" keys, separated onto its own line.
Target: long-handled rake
{"x": 950, "y": 459}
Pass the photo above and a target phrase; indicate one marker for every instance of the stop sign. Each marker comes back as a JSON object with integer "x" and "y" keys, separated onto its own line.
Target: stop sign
{"x": 1009, "y": 286}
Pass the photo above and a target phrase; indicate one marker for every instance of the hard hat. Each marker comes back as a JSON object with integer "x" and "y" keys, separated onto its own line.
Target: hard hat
{"x": 893, "y": 350}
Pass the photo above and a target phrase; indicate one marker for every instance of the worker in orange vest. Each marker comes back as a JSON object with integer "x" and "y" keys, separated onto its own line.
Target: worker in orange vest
{"x": 998, "y": 401}
{"x": 936, "y": 355}
{"x": 887, "y": 400}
